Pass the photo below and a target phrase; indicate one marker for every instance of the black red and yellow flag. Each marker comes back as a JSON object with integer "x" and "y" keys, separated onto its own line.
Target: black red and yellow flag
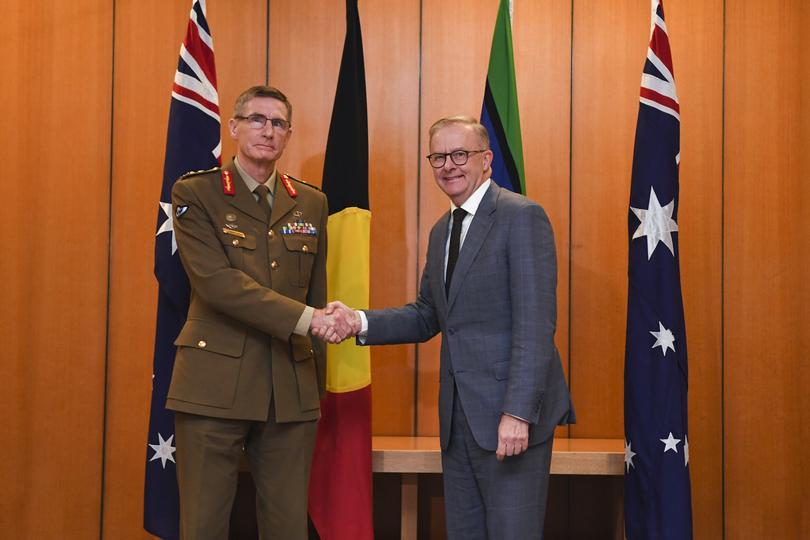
{"x": 340, "y": 486}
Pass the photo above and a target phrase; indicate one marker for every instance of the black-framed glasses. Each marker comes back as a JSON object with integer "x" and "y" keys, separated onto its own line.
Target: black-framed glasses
{"x": 458, "y": 157}
{"x": 258, "y": 121}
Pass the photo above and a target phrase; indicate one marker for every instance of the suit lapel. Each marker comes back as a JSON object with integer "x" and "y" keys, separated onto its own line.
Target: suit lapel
{"x": 243, "y": 198}
{"x": 282, "y": 202}
{"x": 440, "y": 233}
{"x": 477, "y": 233}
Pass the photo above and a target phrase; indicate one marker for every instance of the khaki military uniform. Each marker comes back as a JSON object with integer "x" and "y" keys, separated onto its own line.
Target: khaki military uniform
{"x": 237, "y": 356}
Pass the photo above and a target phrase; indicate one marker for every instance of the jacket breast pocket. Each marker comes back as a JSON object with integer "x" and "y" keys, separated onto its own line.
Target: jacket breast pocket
{"x": 302, "y": 249}
{"x": 208, "y": 362}
{"x": 237, "y": 246}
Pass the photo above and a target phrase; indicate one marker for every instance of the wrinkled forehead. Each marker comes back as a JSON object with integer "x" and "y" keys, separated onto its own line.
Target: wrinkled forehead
{"x": 268, "y": 106}
{"x": 454, "y": 137}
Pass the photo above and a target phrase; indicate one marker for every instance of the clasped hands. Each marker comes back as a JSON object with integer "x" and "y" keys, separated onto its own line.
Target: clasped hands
{"x": 335, "y": 322}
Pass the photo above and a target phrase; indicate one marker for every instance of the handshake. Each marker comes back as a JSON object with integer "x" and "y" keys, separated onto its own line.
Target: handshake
{"x": 335, "y": 322}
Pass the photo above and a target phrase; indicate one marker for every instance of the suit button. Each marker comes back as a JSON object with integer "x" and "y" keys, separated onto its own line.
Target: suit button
{"x": 201, "y": 344}
{"x": 451, "y": 330}
{"x": 271, "y": 234}
{"x": 274, "y": 265}
{"x": 235, "y": 242}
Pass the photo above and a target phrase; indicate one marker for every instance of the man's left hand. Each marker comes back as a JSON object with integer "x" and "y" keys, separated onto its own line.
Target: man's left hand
{"x": 513, "y": 437}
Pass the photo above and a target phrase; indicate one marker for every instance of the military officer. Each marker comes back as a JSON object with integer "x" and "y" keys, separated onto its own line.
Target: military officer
{"x": 248, "y": 373}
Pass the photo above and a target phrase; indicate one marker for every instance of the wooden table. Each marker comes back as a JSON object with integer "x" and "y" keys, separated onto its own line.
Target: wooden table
{"x": 411, "y": 456}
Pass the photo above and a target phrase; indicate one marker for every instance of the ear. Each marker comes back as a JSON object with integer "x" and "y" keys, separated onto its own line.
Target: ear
{"x": 232, "y": 128}
{"x": 488, "y": 157}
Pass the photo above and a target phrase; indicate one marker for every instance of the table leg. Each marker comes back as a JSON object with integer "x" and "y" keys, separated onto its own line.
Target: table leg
{"x": 410, "y": 483}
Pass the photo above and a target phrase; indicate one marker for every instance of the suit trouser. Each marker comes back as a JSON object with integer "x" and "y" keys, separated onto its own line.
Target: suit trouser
{"x": 489, "y": 499}
{"x": 208, "y": 455}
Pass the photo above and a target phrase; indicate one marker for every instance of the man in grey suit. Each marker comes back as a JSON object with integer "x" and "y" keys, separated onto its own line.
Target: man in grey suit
{"x": 489, "y": 285}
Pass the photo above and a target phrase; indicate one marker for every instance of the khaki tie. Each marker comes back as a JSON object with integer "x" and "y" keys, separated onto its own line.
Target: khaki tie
{"x": 262, "y": 191}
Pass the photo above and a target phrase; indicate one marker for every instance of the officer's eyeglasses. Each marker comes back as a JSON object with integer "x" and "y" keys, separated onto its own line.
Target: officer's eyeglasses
{"x": 459, "y": 157}
{"x": 258, "y": 121}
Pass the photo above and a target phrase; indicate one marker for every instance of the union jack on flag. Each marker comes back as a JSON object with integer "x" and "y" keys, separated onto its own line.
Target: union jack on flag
{"x": 193, "y": 143}
{"x": 657, "y": 500}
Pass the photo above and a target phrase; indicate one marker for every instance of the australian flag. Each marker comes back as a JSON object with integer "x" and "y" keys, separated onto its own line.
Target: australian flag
{"x": 193, "y": 143}
{"x": 657, "y": 492}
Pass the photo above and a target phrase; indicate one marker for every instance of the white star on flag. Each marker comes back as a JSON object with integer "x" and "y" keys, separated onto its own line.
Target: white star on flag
{"x": 670, "y": 443}
{"x": 628, "y": 456}
{"x": 685, "y": 450}
{"x": 168, "y": 225}
{"x": 663, "y": 339}
{"x": 656, "y": 224}
{"x": 163, "y": 450}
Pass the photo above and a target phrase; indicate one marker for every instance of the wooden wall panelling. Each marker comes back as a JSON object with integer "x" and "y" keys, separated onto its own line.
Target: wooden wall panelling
{"x": 542, "y": 44}
{"x": 55, "y": 106}
{"x": 606, "y": 79}
{"x": 766, "y": 251}
{"x": 308, "y": 70}
{"x": 391, "y": 44}
{"x": 456, "y": 38}
{"x": 148, "y": 37}
{"x": 696, "y": 36}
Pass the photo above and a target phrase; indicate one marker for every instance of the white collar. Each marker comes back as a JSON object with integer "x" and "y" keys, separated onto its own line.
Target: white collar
{"x": 472, "y": 202}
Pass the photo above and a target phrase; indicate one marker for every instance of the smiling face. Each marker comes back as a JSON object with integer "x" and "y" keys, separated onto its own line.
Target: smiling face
{"x": 260, "y": 147}
{"x": 460, "y": 181}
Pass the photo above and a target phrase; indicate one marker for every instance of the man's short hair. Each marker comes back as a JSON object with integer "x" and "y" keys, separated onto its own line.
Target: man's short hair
{"x": 476, "y": 126}
{"x": 261, "y": 92}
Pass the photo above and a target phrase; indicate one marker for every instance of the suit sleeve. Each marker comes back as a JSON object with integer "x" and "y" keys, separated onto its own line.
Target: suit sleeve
{"x": 412, "y": 323}
{"x": 316, "y": 297}
{"x": 226, "y": 289}
{"x": 533, "y": 285}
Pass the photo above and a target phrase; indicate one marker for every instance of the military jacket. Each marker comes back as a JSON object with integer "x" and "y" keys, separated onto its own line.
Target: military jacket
{"x": 250, "y": 281}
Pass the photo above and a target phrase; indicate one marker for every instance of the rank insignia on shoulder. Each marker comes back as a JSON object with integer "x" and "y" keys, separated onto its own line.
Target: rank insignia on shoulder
{"x": 227, "y": 183}
{"x": 300, "y": 227}
{"x": 288, "y": 185}
{"x": 180, "y": 211}
{"x": 195, "y": 173}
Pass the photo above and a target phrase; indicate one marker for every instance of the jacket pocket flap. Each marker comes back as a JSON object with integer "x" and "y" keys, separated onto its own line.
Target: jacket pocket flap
{"x": 212, "y": 336}
{"x": 246, "y": 242}
{"x": 304, "y": 244}
{"x": 301, "y": 347}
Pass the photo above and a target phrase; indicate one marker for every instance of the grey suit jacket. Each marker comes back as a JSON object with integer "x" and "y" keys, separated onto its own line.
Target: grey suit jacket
{"x": 497, "y": 322}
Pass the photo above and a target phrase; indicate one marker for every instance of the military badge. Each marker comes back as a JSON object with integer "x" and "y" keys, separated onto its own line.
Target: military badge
{"x": 300, "y": 227}
{"x": 180, "y": 211}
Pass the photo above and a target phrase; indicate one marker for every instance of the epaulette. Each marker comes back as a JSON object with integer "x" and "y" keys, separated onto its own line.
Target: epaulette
{"x": 302, "y": 182}
{"x": 189, "y": 174}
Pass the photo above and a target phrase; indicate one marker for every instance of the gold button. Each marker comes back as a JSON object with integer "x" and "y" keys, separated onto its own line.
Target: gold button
{"x": 305, "y": 249}
{"x": 311, "y": 352}
{"x": 270, "y": 233}
{"x": 274, "y": 265}
{"x": 235, "y": 242}
{"x": 201, "y": 344}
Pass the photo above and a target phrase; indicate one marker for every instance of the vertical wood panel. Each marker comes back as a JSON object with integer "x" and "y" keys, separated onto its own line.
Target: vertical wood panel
{"x": 391, "y": 43}
{"x": 767, "y": 253}
{"x": 55, "y": 108}
{"x": 610, "y": 44}
{"x": 391, "y": 33}
{"x": 696, "y": 35}
{"x": 454, "y": 69}
{"x": 542, "y": 48}
{"x": 148, "y": 37}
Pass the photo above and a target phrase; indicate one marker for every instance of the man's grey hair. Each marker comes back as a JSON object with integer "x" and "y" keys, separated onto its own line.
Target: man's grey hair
{"x": 476, "y": 126}
{"x": 261, "y": 92}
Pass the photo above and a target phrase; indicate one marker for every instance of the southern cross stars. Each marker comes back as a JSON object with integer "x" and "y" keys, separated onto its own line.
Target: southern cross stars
{"x": 628, "y": 456}
{"x": 168, "y": 225}
{"x": 656, "y": 224}
{"x": 163, "y": 450}
{"x": 663, "y": 338}
{"x": 670, "y": 443}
